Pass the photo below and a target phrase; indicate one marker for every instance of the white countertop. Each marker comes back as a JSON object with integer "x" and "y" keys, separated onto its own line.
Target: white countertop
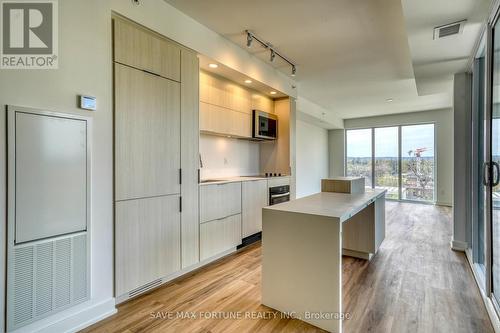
{"x": 223, "y": 180}
{"x": 336, "y": 205}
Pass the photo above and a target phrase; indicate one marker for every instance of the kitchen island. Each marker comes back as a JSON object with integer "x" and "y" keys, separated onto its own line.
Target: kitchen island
{"x": 303, "y": 241}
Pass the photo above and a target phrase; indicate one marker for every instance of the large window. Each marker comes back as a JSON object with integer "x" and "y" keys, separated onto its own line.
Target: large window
{"x": 359, "y": 154}
{"x": 399, "y": 159}
{"x": 418, "y": 162}
{"x": 387, "y": 161}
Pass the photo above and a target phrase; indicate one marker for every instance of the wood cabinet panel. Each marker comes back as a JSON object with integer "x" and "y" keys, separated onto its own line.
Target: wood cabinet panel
{"x": 218, "y": 120}
{"x": 147, "y": 233}
{"x": 219, "y": 235}
{"x": 262, "y": 103}
{"x": 219, "y": 201}
{"x": 147, "y": 134}
{"x": 144, "y": 50}
{"x": 189, "y": 159}
{"x": 253, "y": 198}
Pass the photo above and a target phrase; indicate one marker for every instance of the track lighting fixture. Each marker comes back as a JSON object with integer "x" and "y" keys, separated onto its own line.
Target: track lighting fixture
{"x": 251, "y": 37}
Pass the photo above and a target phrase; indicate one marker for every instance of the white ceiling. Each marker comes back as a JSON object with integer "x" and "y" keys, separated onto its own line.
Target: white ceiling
{"x": 354, "y": 55}
{"x": 435, "y": 61}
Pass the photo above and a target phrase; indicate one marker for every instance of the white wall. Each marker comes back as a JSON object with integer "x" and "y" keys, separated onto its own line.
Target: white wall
{"x": 443, "y": 120}
{"x": 312, "y": 158}
{"x": 84, "y": 68}
{"x": 228, "y": 157}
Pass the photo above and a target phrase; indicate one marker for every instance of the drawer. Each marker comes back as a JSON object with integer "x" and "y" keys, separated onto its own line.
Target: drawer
{"x": 219, "y": 201}
{"x": 219, "y": 235}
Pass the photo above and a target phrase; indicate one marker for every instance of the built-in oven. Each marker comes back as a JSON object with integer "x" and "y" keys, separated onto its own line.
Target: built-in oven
{"x": 264, "y": 125}
{"x": 279, "y": 194}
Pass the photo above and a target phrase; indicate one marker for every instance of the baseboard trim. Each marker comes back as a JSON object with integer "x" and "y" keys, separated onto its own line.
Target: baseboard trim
{"x": 72, "y": 319}
{"x": 458, "y": 245}
{"x": 357, "y": 254}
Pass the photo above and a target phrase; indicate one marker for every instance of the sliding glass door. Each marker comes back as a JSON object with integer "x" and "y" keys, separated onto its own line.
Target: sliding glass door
{"x": 492, "y": 165}
{"x": 417, "y": 161}
{"x": 399, "y": 159}
{"x": 387, "y": 160}
{"x": 478, "y": 160}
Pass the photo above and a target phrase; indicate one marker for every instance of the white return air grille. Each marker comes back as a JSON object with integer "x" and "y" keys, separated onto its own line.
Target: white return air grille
{"x": 46, "y": 277}
{"x": 449, "y": 29}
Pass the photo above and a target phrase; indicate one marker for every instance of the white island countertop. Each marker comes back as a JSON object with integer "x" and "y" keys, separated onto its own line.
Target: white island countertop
{"x": 337, "y": 205}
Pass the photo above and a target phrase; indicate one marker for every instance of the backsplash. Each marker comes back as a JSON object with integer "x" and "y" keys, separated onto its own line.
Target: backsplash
{"x": 228, "y": 157}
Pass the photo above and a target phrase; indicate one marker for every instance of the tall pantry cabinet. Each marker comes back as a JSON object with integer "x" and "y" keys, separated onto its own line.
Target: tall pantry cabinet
{"x": 156, "y": 158}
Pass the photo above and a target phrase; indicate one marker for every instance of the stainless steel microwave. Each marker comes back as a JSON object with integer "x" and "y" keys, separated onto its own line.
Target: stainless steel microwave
{"x": 265, "y": 125}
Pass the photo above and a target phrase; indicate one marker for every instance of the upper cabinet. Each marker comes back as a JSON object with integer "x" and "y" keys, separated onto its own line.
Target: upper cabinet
{"x": 144, "y": 50}
{"x": 226, "y": 107}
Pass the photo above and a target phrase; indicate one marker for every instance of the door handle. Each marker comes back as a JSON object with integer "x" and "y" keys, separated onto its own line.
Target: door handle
{"x": 486, "y": 173}
{"x": 495, "y": 180}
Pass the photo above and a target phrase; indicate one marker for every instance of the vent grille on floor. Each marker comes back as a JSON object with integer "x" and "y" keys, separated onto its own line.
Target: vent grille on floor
{"x": 144, "y": 288}
{"x": 449, "y": 29}
{"x": 46, "y": 277}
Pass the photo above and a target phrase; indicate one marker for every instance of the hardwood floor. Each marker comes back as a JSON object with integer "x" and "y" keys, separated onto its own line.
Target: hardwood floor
{"x": 415, "y": 283}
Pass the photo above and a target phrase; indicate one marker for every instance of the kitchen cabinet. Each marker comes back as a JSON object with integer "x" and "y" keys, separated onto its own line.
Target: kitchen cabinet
{"x": 147, "y": 241}
{"x": 219, "y": 235}
{"x": 189, "y": 158}
{"x": 220, "y": 218}
{"x": 142, "y": 49}
{"x": 254, "y": 197}
{"x": 147, "y": 134}
{"x": 226, "y": 107}
{"x": 219, "y": 201}
{"x": 156, "y": 139}
{"x": 218, "y": 120}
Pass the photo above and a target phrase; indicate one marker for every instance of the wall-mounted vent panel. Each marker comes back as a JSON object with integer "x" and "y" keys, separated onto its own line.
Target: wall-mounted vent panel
{"x": 47, "y": 277}
{"x": 451, "y": 29}
{"x": 48, "y": 239}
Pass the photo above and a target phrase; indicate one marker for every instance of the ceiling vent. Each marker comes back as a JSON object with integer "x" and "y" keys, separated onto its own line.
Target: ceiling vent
{"x": 449, "y": 29}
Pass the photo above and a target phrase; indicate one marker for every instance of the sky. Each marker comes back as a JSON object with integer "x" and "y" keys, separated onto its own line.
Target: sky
{"x": 386, "y": 141}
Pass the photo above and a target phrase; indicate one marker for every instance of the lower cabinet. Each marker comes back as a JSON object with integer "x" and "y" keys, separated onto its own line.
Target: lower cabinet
{"x": 147, "y": 235}
{"x": 219, "y": 235}
{"x": 253, "y": 198}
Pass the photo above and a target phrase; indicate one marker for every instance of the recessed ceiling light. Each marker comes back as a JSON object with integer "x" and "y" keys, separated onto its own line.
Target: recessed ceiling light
{"x": 213, "y": 65}
{"x": 248, "y": 81}
{"x": 389, "y": 100}
{"x": 273, "y": 92}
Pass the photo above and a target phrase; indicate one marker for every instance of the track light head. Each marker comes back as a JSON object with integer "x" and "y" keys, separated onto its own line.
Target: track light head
{"x": 294, "y": 70}
{"x": 273, "y": 55}
{"x": 249, "y": 39}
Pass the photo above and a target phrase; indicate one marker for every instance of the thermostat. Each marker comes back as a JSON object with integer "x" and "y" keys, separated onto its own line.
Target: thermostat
{"x": 88, "y": 102}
